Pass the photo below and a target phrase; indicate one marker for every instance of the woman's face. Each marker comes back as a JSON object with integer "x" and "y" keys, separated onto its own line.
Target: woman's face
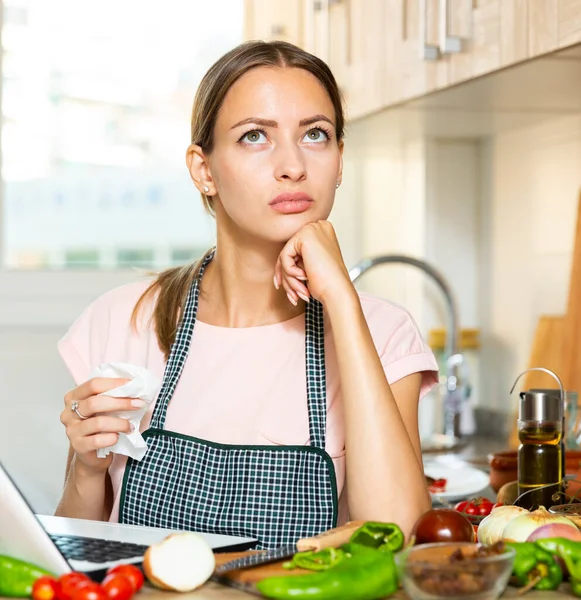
{"x": 276, "y": 161}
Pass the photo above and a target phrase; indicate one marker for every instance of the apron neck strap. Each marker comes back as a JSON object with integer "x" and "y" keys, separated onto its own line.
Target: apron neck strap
{"x": 180, "y": 348}
{"x": 314, "y": 361}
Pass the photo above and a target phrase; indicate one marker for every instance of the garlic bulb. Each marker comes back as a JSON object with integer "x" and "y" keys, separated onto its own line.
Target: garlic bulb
{"x": 491, "y": 527}
{"x": 519, "y": 529}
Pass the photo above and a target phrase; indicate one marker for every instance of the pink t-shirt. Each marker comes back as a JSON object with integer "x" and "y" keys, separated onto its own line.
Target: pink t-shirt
{"x": 242, "y": 386}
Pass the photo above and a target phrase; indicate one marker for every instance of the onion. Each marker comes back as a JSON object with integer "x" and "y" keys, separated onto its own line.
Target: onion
{"x": 491, "y": 527}
{"x": 519, "y": 529}
{"x": 181, "y": 562}
{"x": 553, "y": 530}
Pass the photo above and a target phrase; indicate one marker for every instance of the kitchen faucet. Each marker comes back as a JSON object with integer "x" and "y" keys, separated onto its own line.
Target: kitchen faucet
{"x": 454, "y": 394}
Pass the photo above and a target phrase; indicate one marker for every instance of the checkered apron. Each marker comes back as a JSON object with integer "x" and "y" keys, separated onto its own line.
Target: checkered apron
{"x": 276, "y": 494}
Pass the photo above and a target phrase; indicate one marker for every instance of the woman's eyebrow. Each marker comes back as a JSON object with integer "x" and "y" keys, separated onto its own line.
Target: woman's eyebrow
{"x": 269, "y": 123}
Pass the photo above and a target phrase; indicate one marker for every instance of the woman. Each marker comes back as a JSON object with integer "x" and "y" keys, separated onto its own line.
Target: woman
{"x": 291, "y": 389}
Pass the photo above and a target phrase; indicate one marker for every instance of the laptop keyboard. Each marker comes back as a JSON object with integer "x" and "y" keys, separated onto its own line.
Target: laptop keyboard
{"x": 96, "y": 550}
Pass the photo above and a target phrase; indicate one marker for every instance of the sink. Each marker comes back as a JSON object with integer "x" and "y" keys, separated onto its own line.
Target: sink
{"x": 442, "y": 443}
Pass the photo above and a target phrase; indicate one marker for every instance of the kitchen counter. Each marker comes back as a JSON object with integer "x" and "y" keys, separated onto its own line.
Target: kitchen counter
{"x": 214, "y": 591}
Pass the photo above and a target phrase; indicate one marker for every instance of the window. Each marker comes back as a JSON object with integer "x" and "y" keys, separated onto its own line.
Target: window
{"x": 96, "y": 102}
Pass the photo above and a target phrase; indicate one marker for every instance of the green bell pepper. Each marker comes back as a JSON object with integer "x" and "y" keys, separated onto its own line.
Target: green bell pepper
{"x": 366, "y": 575}
{"x": 383, "y": 536}
{"x": 531, "y": 562}
{"x": 570, "y": 552}
{"x": 17, "y": 577}
{"x": 316, "y": 561}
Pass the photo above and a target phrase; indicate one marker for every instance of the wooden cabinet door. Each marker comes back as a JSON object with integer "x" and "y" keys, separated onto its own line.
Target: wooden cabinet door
{"x": 357, "y": 46}
{"x": 274, "y": 20}
{"x": 498, "y": 33}
{"x": 543, "y": 19}
{"x": 569, "y": 18}
{"x": 349, "y": 36}
{"x": 414, "y": 62}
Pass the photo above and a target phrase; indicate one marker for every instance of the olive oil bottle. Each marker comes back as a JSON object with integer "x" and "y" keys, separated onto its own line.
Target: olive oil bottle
{"x": 540, "y": 453}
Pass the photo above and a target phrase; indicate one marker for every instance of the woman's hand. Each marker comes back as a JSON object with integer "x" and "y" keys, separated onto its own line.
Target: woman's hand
{"x": 312, "y": 257}
{"x": 98, "y": 430}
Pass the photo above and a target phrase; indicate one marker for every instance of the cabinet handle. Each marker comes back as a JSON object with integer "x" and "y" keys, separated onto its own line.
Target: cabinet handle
{"x": 427, "y": 51}
{"x": 449, "y": 44}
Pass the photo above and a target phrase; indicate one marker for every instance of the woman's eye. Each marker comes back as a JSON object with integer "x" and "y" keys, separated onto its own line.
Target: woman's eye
{"x": 254, "y": 137}
{"x": 316, "y": 135}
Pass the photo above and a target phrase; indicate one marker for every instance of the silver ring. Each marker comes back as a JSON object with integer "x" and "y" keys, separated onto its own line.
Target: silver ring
{"x": 75, "y": 409}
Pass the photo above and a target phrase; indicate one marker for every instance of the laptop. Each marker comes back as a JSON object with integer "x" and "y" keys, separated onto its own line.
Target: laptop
{"x": 61, "y": 545}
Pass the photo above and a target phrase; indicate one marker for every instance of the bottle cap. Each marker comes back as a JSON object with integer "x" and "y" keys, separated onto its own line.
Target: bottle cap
{"x": 541, "y": 405}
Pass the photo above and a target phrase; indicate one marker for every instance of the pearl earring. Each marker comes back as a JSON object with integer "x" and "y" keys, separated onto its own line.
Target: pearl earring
{"x": 337, "y": 184}
{"x": 206, "y": 189}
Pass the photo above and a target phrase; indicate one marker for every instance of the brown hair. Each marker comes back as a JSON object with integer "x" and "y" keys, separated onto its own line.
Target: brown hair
{"x": 172, "y": 286}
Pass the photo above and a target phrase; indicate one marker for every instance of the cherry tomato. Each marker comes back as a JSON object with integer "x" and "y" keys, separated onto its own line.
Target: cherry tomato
{"x": 478, "y": 507}
{"x": 467, "y": 507}
{"x": 133, "y": 573}
{"x": 117, "y": 586}
{"x": 484, "y": 507}
{"x": 91, "y": 591}
{"x": 438, "y": 486}
{"x": 69, "y": 582}
{"x": 45, "y": 588}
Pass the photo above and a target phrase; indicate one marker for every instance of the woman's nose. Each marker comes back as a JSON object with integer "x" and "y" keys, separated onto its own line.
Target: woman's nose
{"x": 289, "y": 163}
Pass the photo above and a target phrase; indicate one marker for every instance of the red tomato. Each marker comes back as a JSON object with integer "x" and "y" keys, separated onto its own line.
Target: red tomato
{"x": 91, "y": 591}
{"x": 117, "y": 586}
{"x": 69, "y": 582}
{"x": 467, "y": 507}
{"x": 438, "y": 486}
{"x": 45, "y": 588}
{"x": 478, "y": 507}
{"x": 133, "y": 573}
{"x": 484, "y": 507}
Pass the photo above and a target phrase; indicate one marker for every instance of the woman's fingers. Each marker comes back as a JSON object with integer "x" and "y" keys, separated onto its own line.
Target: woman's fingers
{"x": 93, "y": 387}
{"x": 104, "y": 424}
{"x": 296, "y": 289}
{"x": 95, "y": 442}
{"x": 103, "y": 404}
{"x": 96, "y": 432}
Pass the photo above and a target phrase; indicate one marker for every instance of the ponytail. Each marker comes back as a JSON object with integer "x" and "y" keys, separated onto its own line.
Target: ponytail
{"x": 170, "y": 290}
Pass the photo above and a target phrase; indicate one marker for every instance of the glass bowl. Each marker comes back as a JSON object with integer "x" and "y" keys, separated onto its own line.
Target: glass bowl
{"x": 429, "y": 571}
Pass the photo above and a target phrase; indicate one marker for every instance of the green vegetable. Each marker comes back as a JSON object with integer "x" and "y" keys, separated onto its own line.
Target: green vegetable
{"x": 570, "y": 552}
{"x": 17, "y": 577}
{"x": 366, "y": 575}
{"x": 533, "y": 562}
{"x": 383, "y": 536}
{"x": 316, "y": 561}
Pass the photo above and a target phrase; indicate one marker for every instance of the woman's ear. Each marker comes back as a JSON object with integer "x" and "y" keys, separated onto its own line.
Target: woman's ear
{"x": 200, "y": 170}
{"x": 340, "y": 174}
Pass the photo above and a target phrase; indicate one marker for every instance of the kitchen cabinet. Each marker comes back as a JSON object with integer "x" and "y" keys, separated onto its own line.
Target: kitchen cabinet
{"x": 274, "y": 20}
{"x": 385, "y": 52}
{"x": 569, "y": 22}
{"x": 357, "y": 43}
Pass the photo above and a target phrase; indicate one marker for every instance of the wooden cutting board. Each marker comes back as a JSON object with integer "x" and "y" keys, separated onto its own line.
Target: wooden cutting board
{"x": 255, "y": 574}
{"x": 246, "y": 578}
{"x": 571, "y": 371}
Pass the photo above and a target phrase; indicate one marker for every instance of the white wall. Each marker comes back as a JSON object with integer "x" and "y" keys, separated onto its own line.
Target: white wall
{"x": 531, "y": 181}
{"x": 33, "y": 445}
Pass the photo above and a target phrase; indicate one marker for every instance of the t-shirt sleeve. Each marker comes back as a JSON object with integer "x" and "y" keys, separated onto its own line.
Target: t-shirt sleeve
{"x": 83, "y": 346}
{"x": 402, "y": 350}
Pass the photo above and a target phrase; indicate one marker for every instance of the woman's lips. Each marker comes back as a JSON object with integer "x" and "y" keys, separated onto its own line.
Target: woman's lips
{"x": 291, "y": 202}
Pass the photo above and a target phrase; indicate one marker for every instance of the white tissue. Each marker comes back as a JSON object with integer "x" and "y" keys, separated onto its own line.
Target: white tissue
{"x": 143, "y": 385}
